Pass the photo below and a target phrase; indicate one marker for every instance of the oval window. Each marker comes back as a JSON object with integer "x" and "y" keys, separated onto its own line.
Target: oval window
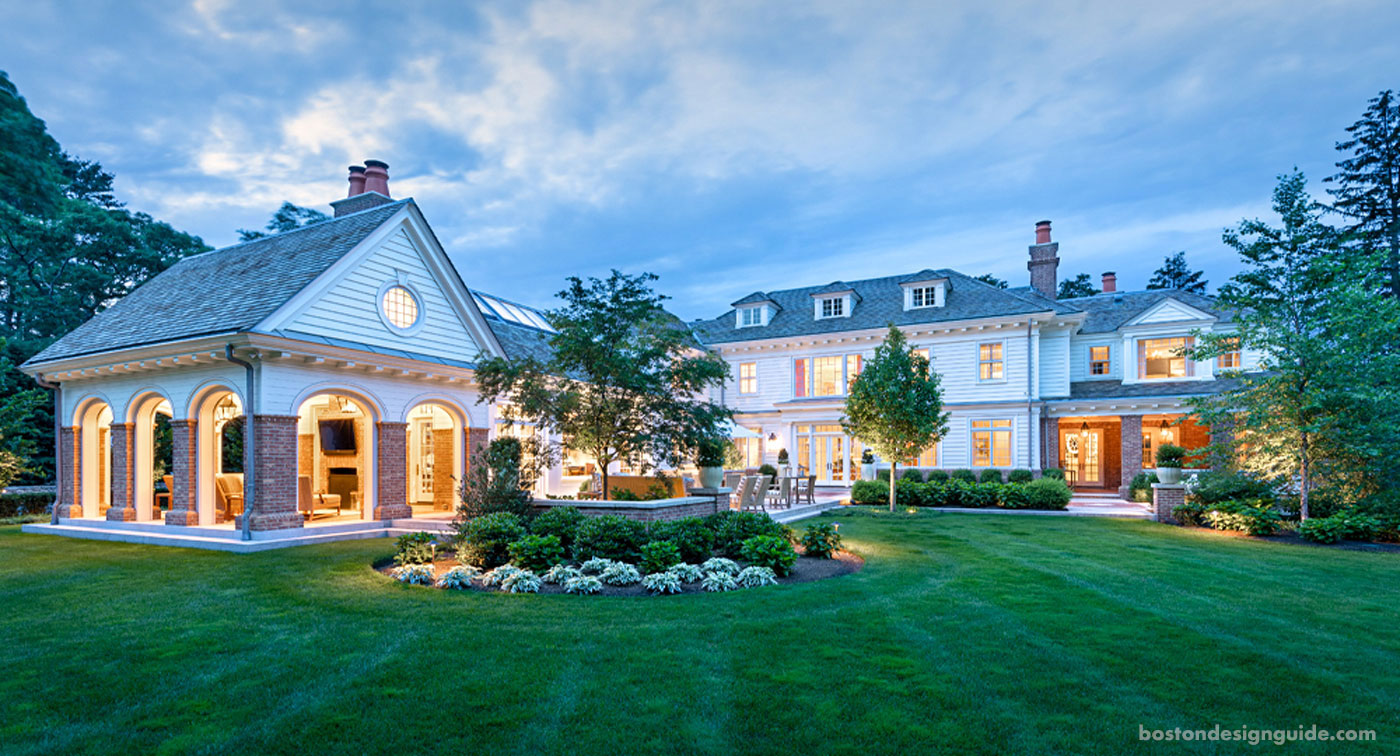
{"x": 400, "y": 307}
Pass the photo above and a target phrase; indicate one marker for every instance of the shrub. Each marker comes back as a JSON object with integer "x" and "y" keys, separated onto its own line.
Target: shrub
{"x": 1048, "y": 493}
{"x": 718, "y": 581}
{"x": 934, "y": 494}
{"x": 990, "y": 476}
{"x": 17, "y": 504}
{"x": 1213, "y": 487}
{"x": 883, "y": 475}
{"x": 1257, "y": 518}
{"x": 1020, "y": 476}
{"x": 523, "y": 581}
{"x": 955, "y": 492}
{"x": 611, "y": 537}
{"x": 659, "y": 556}
{"x": 583, "y": 585}
{"x": 688, "y": 573}
{"x": 912, "y": 474}
{"x": 936, "y": 476}
{"x": 1053, "y": 472}
{"x": 662, "y": 582}
{"x": 769, "y": 470}
{"x": 733, "y": 528}
{"x": 909, "y": 492}
{"x": 413, "y": 574}
{"x": 497, "y": 481}
{"x": 537, "y": 553}
{"x": 710, "y": 453}
{"x": 755, "y": 577}
{"x": 560, "y": 574}
{"x": 486, "y": 539}
{"x": 622, "y": 494}
{"x": 965, "y": 476}
{"x": 1140, "y": 489}
{"x": 694, "y": 538}
{"x": 821, "y": 540}
{"x": 415, "y": 548}
{"x": 496, "y": 577}
{"x": 770, "y": 551}
{"x": 1322, "y": 529}
{"x": 782, "y": 457}
{"x": 1015, "y": 496}
{"x": 720, "y": 564}
{"x": 560, "y": 522}
{"x": 618, "y": 573}
{"x": 458, "y": 578}
{"x": 595, "y": 565}
{"x": 1348, "y": 524}
{"x": 871, "y": 491}
{"x": 1192, "y": 514}
{"x": 1170, "y": 455}
{"x": 984, "y": 495}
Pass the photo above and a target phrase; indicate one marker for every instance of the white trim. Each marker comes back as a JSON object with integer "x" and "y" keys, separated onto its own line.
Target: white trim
{"x": 1197, "y": 314}
{"x": 980, "y": 362}
{"x": 400, "y": 280}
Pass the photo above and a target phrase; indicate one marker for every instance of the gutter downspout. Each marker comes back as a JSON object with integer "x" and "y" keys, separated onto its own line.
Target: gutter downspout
{"x": 57, "y": 443}
{"x": 249, "y": 500}
{"x": 1030, "y": 385}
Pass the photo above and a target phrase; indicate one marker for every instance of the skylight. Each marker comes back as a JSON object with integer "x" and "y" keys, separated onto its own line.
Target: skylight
{"x": 509, "y": 312}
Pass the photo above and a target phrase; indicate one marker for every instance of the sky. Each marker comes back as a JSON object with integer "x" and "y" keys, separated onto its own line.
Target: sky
{"x": 728, "y": 147}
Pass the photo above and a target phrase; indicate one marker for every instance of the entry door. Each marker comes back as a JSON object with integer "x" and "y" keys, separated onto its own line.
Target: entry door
{"x": 838, "y": 458}
{"x": 421, "y": 452}
{"x": 1083, "y": 465}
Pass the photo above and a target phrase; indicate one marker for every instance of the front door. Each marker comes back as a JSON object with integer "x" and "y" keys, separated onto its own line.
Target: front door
{"x": 421, "y": 455}
{"x": 1082, "y": 454}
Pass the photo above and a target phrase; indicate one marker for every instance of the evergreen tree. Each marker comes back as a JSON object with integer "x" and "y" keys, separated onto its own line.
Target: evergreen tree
{"x": 988, "y": 278}
{"x": 1079, "y": 286}
{"x": 287, "y": 218}
{"x": 1176, "y": 274}
{"x": 1368, "y": 184}
{"x": 895, "y": 405}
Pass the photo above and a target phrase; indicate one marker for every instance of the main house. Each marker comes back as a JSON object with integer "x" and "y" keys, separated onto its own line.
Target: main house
{"x": 346, "y": 352}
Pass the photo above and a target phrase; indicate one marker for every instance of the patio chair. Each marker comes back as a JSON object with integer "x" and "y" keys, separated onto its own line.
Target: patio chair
{"x": 780, "y": 495}
{"x": 806, "y": 487}
{"x": 744, "y": 493}
{"x": 754, "y": 493}
{"x": 308, "y": 502}
{"x": 228, "y": 495}
{"x": 594, "y": 490}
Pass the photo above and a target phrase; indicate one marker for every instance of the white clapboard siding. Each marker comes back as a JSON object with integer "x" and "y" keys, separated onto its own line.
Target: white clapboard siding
{"x": 1054, "y": 364}
{"x": 350, "y": 309}
{"x": 1079, "y": 357}
{"x": 1168, "y": 311}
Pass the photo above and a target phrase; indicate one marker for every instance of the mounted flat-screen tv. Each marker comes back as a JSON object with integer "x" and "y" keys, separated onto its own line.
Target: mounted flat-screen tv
{"x": 338, "y": 436}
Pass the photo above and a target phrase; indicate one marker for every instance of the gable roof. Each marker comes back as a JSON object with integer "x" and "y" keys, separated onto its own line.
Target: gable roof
{"x": 879, "y": 301}
{"x": 225, "y": 291}
{"x": 1111, "y": 311}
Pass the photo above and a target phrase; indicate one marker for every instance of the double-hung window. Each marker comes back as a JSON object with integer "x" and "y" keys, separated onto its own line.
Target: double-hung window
{"x": 990, "y": 365}
{"x": 748, "y": 378}
{"x": 1098, "y": 360}
{"x": 833, "y": 307}
{"x": 923, "y": 296}
{"x": 1230, "y": 360}
{"x": 991, "y": 443}
{"x": 750, "y": 316}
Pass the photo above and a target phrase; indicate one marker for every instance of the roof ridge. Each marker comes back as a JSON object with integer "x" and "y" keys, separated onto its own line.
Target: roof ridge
{"x": 285, "y": 234}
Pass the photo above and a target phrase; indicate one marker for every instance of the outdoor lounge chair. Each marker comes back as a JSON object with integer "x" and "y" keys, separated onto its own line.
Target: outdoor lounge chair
{"x": 228, "y": 495}
{"x": 780, "y": 495}
{"x": 308, "y": 502}
{"x": 754, "y": 491}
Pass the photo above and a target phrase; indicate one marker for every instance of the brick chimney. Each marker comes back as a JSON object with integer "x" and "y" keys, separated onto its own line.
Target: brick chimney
{"x": 369, "y": 187}
{"x": 1044, "y": 265}
{"x": 1110, "y": 282}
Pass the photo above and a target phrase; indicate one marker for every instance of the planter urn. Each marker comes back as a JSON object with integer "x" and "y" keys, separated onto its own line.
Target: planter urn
{"x": 711, "y": 477}
{"x": 867, "y": 472}
{"x": 1169, "y": 475}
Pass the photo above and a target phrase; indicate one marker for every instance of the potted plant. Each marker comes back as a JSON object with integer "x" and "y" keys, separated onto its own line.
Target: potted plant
{"x": 1169, "y": 458}
{"x": 867, "y": 465}
{"x": 783, "y": 462}
{"x": 709, "y": 457}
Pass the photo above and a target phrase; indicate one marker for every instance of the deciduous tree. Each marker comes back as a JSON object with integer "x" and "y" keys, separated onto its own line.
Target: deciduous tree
{"x": 1079, "y": 286}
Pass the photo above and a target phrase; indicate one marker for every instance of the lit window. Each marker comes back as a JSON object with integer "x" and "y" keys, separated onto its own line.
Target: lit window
{"x": 1164, "y": 358}
{"x": 990, "y": 362}
{"x": 748, "y": 378}
{"x": 853, "y": 368}
{"x": 928, "y": 357}
{"x": 826, "y": 376}
{"x": 1230, "y": 360}
{"x": 991, "y": 443}
{"x": 400, "y": 307}
{"x": 834, "y": 307}
{"x": 929, "y": 458}
{"x": 923, "y": 296}
{"x": 1098, "y": 360}
{"x": 800, "y": 370}
{"x": 750, "y": 316}
{"x": 750, "y": 451}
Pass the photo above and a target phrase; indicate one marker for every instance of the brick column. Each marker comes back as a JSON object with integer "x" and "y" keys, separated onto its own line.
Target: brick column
{"x": 1130, "y": 458}
{"x": 391, "y": 472}
{"x": 123, "y": 438}
{"x": 477, "y": 438}
{"x": 70, "y": 451}
{"x": 273, "y": 502}
{"x": 1166, "y": 496}
{"x": 1050, "y": 439}
{"x": 184, "y": 470}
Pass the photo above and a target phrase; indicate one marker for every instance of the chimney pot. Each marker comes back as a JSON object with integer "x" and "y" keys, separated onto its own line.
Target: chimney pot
{"x": 357, "y": 180}
{"x": 1045, "y": 263}
{"x": 1042, "y": 232}
{"x": 1110, "y": 282}
{"x": 377, "y": 177}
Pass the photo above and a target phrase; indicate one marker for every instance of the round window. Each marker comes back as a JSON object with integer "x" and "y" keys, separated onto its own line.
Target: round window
{"x": 400, "y": 307}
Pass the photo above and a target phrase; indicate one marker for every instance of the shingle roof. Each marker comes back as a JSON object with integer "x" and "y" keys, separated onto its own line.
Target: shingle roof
{"x": 227, "y": 290}
{"x": 1087, "y": 390}
{"x": 880, "y": 302}
{"x": 753, "y": 298}
{"x": 1108, "y": 312}
{"x": 520, "y": 342}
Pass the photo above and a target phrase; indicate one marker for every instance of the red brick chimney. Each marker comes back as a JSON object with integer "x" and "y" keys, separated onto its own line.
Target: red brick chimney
{"x": 369, "y": 187}
{"x": 1110, "y": 282}
{"x": 357, "y": 180}
{"x": 377, "y": 177}
{"x": 1044, "y": 265}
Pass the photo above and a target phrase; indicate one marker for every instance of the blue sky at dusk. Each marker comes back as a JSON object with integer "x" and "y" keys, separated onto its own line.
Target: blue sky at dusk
{"x": 728, "y": 147}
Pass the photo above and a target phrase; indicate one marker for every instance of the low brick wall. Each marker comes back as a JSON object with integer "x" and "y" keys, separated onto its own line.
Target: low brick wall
{"x": 644, "y": 511}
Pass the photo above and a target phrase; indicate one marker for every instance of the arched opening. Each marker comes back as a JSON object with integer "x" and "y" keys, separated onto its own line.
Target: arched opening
{"x": 219, "y": 425}
{"x": 435, "y": 456}
{"x": 153, "y": 455}
{"x": 94, "y": 420}
{"x": 335, "y": 458}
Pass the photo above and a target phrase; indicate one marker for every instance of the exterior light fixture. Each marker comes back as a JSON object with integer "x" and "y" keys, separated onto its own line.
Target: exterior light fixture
{"x": 341, "y": 402}
{"x": 772, "y": 437}
{"x": 1166, "y": 431}
{"x": 1084, "y": 429}
{"x": 225, "y": 411}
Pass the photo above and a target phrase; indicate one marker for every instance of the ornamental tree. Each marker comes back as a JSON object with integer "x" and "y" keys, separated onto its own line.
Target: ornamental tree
{"x": 895, "y": 405}
{"x": 624, "y": 380}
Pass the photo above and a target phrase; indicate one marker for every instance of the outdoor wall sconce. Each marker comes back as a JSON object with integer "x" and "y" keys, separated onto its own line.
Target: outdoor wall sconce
{"x": 1084, "y": 430}
{"x": 1166, "y": 431}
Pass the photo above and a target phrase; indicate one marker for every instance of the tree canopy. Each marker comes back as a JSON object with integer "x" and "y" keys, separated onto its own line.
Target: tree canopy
{"x": 288, "y": 217}
{"x": 624, "y": 380}
{"x": 1367, "y": 185}
{"x": 1176, "y": 274}
{"x": 988, "y": 278}
{"x": 1079, "y": 286}
{"x": 895, "y": 405}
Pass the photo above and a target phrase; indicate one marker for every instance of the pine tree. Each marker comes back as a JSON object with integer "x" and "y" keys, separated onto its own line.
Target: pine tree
{"x": 288, "y": 217}
{"x": 1368, "y": 183}
{"x": 1176, "y": 274}
{"x": 991, "y": 280}
{"x": 1079, "y": 286}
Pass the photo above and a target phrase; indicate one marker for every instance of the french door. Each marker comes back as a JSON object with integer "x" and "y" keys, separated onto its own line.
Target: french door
{"x": 829, "y": 454}
{"x": 420, "y": 452}
{"x": 1083, "y": 457}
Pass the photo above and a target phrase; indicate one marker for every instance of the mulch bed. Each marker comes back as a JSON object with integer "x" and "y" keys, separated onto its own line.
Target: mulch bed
{"x": 805, "y": 571}
{"x": 1292, "y": 538}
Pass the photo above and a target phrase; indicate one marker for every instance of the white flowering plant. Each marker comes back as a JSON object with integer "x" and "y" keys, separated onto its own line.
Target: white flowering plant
{"x": 688, "y": 573}
{"x": 595, "y": 565}
{"x": 521, "y": 581}
{"x": 720, "y": 564}
{"x": 754, "y": 577}
{"x": 662, "y": 582}
{"x": 459, "y": 577}
{"x": 619, "y": 573}
{"x": 497, "y": 577}
{"x": 718, "y": 581}
{"x": 583, "y": 584}
{"x": 413, "y": 574}
{"x": 560, "y": 574}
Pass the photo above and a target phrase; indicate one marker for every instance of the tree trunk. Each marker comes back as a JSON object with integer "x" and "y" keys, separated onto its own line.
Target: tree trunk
{"x": 1303, "y": 481}
{"x": 893, "y": 466}
{"x": 605, "y": 482}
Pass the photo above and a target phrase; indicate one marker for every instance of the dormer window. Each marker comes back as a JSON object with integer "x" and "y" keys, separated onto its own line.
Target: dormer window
{"x": 922, "y": 296}
{"x": 925, "y": 292}
{"x": 750, "y": 316}
{"x": 833, "y": 307}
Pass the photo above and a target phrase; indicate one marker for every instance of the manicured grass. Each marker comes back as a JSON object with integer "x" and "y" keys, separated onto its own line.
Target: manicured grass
{"x": 964, "y": 633}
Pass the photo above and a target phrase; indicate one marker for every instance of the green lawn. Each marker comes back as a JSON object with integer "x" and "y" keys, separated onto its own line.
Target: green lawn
{"x": 964, "y": 633}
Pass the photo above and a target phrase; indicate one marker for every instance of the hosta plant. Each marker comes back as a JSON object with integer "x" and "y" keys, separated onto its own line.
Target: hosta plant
{"x": 495, "y": 578}
{"x": 718, "y": 581}
{"x": 753, "y": 577}
{"x": 821, "y": 540}
{"x": 583, "y": 584}
{"x": 560, "y": 574}
{"x": 618, "y": 573}
{"x": 720, "y": 564}
{"x": 459, "y": 577}
{"x": 662, "y": 582}
{"x": 414, "y": 574}
{"x": 688, "y": 573}
{"x": 595, "y": 565}
{"x": 770, "y": 551}
{"x": 522, "y": 581}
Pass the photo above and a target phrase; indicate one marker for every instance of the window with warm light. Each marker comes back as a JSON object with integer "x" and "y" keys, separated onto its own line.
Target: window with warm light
{"x": 929, "y": 458}
{"x": 990, "y": 364}
{"x": 750, "y": 451}
{"x": 991, "y": 443}
{"x": 825, "y": 376}
{"x": 748, "y": 377}
{"x": 1230, "y": 360}
{"x": 400, "y": 307}
{"x": 928, "y": 357}
{"x": 1098, "y": 360}
{"x": 1160, "y": 359}
{"x": 853, "y": 368}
